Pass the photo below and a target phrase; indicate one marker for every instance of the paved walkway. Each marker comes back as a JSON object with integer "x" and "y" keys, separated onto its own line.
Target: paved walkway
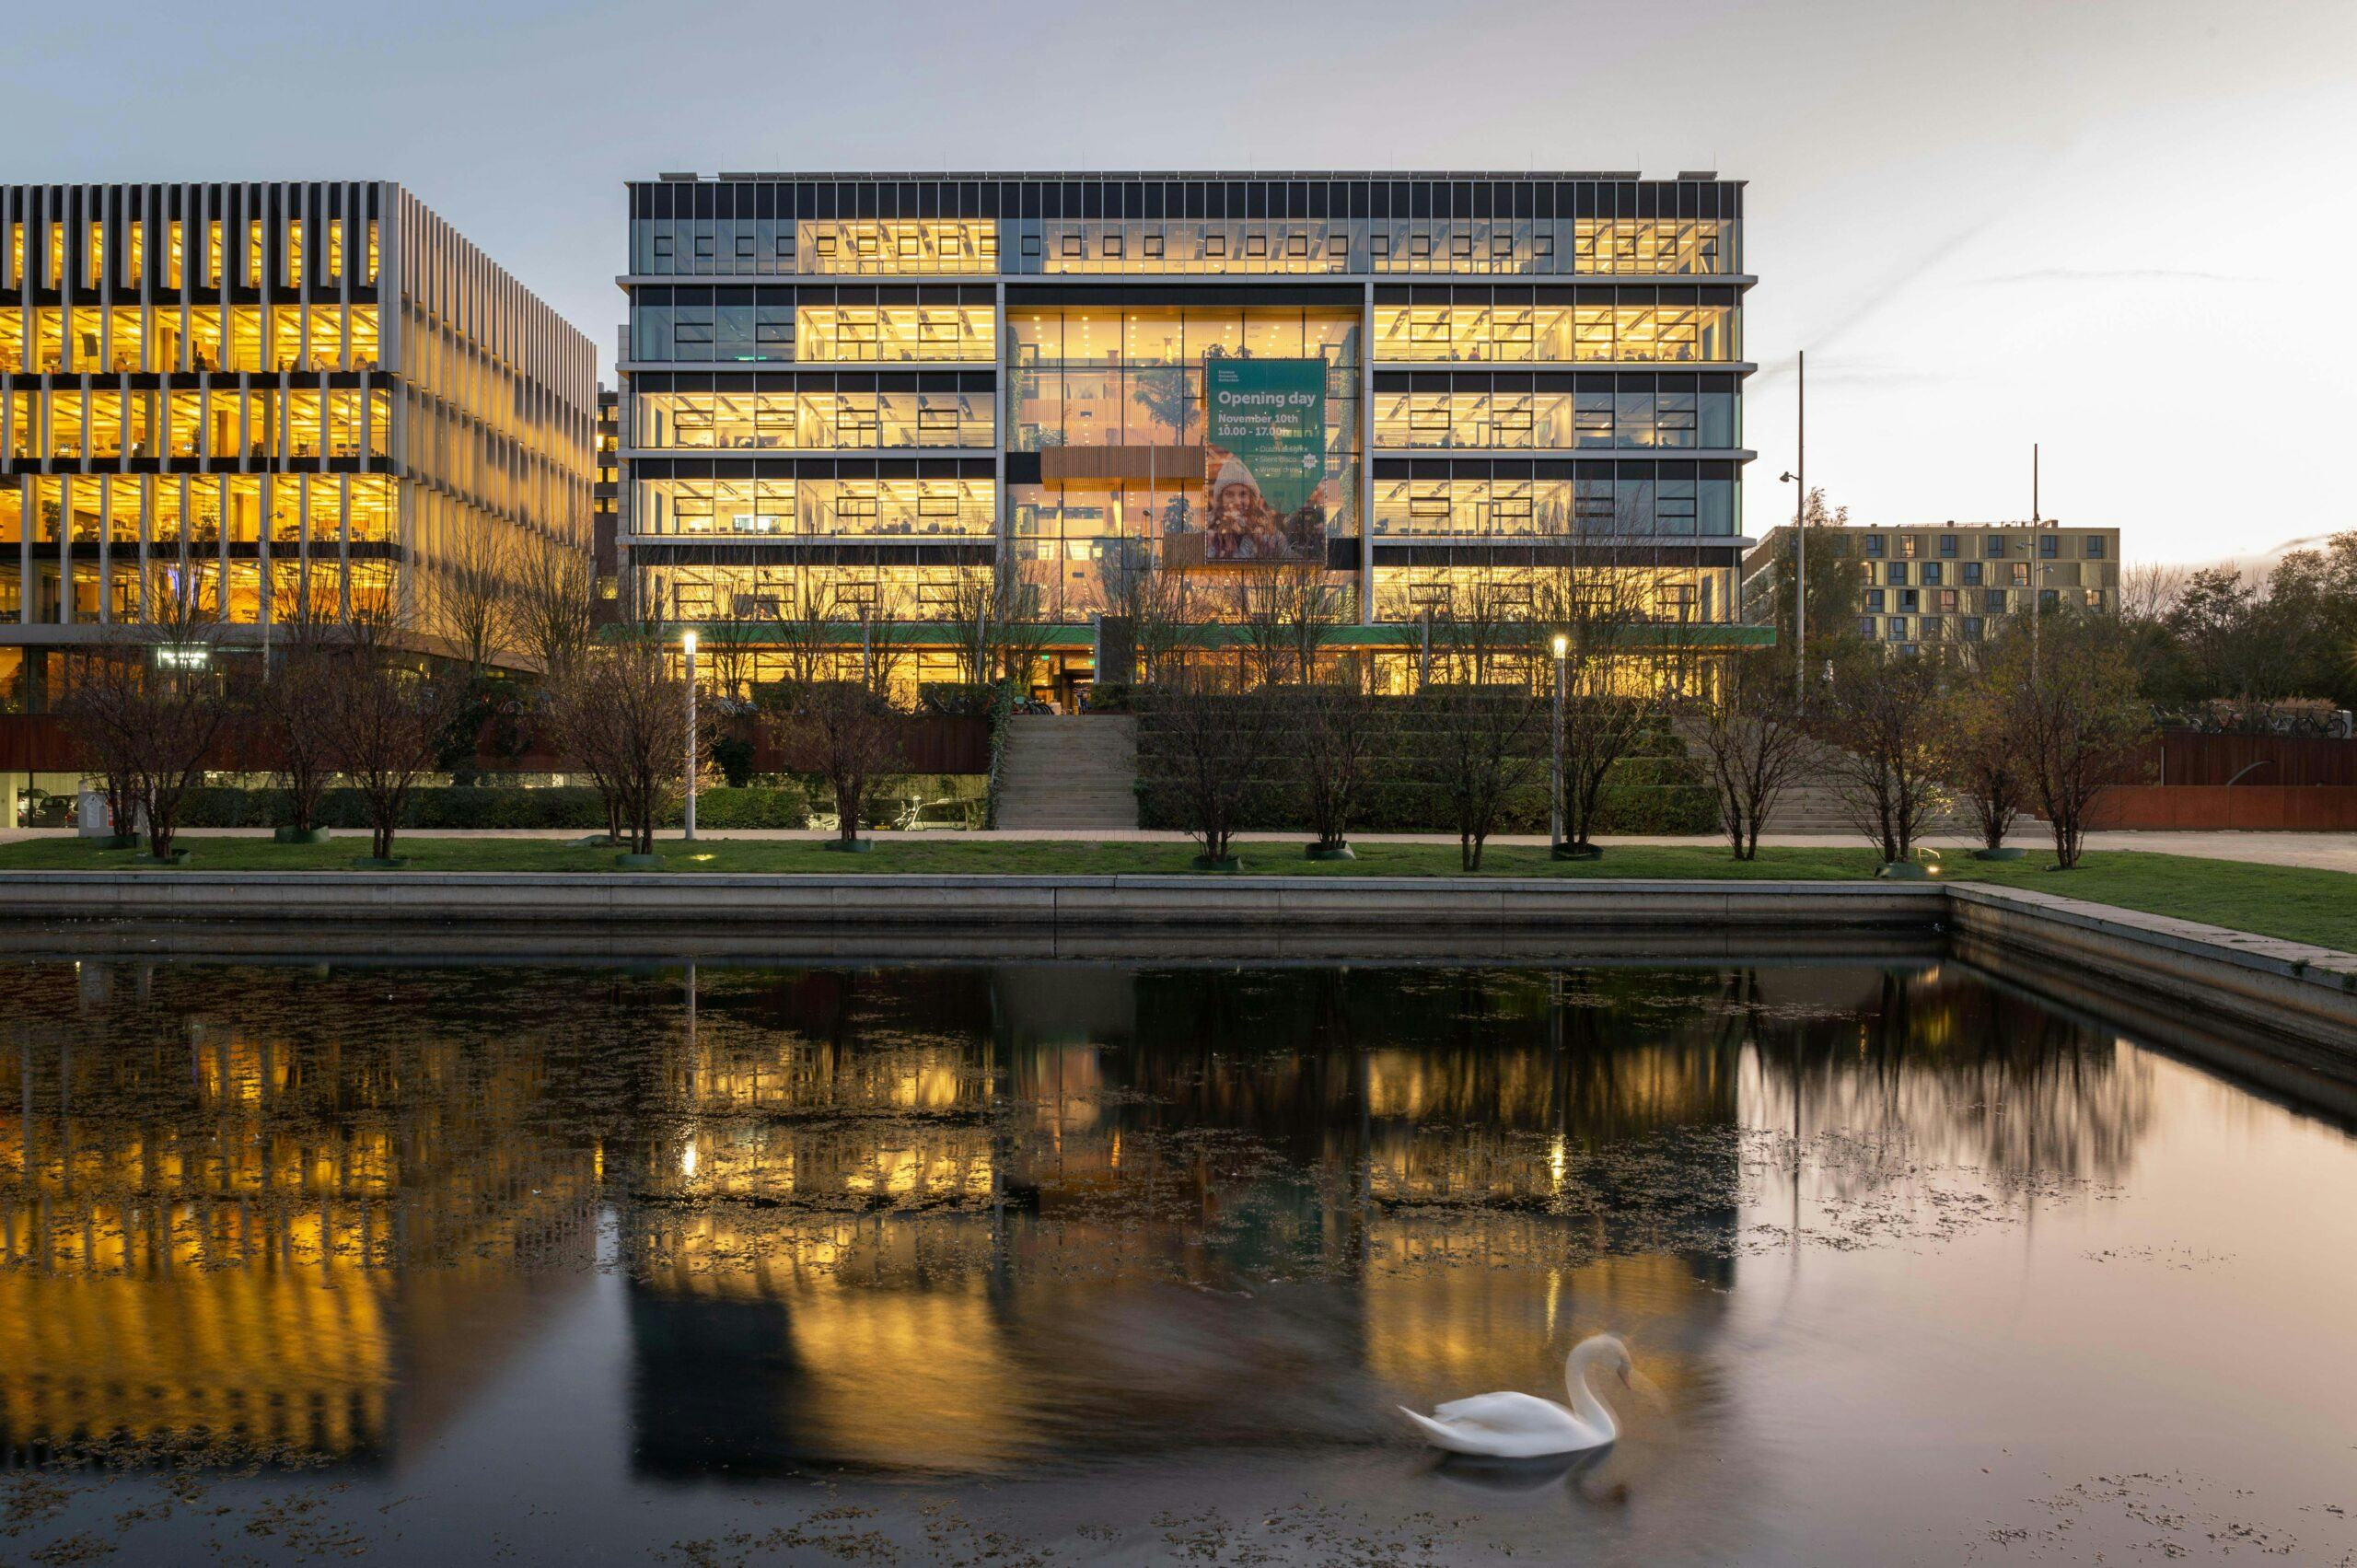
{"x": 2330, "y": 852}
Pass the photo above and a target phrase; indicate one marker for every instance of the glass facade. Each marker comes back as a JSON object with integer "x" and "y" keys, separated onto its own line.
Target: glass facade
{"x": 905, "y": 379}
{"x": 1646, "y": 326}
{"x": 1321, "y": 224}
{"x": 1555, "y": 412}
{"x": 266, "y": 399}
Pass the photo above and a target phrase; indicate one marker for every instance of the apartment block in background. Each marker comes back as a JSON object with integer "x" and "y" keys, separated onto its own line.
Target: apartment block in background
{"x": 1928, "y": 585}
{"x": 266, "y": 396}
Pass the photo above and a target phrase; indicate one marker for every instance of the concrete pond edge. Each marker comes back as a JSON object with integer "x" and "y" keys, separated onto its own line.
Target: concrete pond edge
{"x": 2308, "y": 991}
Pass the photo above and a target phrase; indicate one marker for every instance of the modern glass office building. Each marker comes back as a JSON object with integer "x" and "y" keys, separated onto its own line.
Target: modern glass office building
{"x": 266, "y": 396}
{"x": 870, "y": 387}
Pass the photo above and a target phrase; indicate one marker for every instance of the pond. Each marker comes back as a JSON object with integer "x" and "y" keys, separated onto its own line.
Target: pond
{"x": 1025, "y": 1263}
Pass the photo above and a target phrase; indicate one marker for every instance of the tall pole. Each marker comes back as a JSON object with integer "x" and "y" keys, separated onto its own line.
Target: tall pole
{"x": 690, "y": 806}
{"x": 1800, "y": 543}
{"x": 2037, "y": 563}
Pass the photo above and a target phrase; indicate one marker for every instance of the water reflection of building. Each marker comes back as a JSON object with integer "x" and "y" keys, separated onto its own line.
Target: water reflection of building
{"x": 935, "y": 1218}
{"x": 1053, "y": 1174}
{"x": 234, "y": 1214}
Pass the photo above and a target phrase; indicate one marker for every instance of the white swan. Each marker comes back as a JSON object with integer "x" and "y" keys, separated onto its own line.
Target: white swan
{"x": 1522, "y": 1426}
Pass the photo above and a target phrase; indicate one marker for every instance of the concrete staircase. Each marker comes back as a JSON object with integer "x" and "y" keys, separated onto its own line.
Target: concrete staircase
{"x": 1076, "y": 772}
{"x": 1812, "y": 803}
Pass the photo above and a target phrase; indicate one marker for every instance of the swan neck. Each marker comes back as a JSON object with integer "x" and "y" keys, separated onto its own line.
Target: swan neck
{"x": 1577, "y": 1369}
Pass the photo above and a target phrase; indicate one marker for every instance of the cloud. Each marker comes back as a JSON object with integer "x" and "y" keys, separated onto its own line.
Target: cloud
{"x": 2101, "y": 274}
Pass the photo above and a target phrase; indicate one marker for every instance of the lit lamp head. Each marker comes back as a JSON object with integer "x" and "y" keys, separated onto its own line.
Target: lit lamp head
{"x": 689, "y": 642}
{"x": 1562, "y": 644}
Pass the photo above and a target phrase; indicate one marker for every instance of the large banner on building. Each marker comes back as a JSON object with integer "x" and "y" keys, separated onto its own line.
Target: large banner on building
{"x": 1266, "y": 495}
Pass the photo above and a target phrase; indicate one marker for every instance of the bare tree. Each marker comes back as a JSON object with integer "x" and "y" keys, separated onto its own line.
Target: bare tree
{"x": 161, "y": 695}
{"x": 472, "y": 594}
{"x": 624, "y": 710}
{"x": 1484, "y": 724}
{"x": 841, "y": 722}
{"x": 2149, "y": 590}
{"x": 554, "y": 602}
{"x": 1336, "y": 731}
{"x": 1001, "y": 635}
{"x": 1886, "y": 713}
{"x": 1162, "y": 608}
{"x": 1283, "y": 612}
{"x": 1754, "y": 736}
{"x": 1617, "y": 668}
{"x": 1981, "y": 744}
{"x": 730, "y": 652}
{"x": 386, "y": 719}
{"x": 813, "y": 619}
{"x": 575, "y": 714}
{"x": 291, "y": 703}
{"x": 97, "y": 693}
{"x": 2083, "y": 727}
{"x": 1208, "y": 734}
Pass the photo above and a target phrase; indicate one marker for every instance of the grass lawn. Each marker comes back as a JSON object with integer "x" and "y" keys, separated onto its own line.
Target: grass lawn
{"x": 2272, "y": 900}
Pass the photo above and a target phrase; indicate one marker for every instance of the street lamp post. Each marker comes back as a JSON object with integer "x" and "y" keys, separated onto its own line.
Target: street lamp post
{"x": 1555, "y": 774}
{"x": 690, "y": 641}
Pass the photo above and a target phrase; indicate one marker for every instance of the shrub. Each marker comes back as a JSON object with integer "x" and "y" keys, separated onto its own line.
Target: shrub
{"x": 1655, "y": 788}
{"x": 564, "y": 806}
{"x": 733, "y": 755}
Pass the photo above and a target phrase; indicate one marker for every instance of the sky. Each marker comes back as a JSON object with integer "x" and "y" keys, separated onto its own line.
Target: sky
{"x": 2108, "y": 229}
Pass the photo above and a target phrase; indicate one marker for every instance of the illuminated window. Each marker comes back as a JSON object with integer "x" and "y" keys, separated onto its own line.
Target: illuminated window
{"x": 15, "y": 252}
{"x": 135, "y": 258}
{"x": 94, "y": 260}
{"x": 360, "y": 353}
{"x": 57, "y": 255}
{"x": 372, "y": 253}
{"x": 254, "y": 253}
{"x": 175, "y": 242}
{"x": 335, "y": 249}
{"x": 213, "y": 253}
{"x": 294, "y": 252}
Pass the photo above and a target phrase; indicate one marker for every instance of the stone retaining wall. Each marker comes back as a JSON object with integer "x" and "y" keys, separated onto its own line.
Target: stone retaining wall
{"x": 2301, "y": 994}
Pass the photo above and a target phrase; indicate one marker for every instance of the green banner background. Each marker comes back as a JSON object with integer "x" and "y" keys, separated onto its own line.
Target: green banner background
{"x": 1271, "y": 414}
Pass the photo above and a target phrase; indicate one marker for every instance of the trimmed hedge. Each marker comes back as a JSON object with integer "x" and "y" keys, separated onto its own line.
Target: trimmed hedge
{"x": 957, "y": 699}
{"x": 570, "y": 806}
{"x": 1655, "y": 788}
